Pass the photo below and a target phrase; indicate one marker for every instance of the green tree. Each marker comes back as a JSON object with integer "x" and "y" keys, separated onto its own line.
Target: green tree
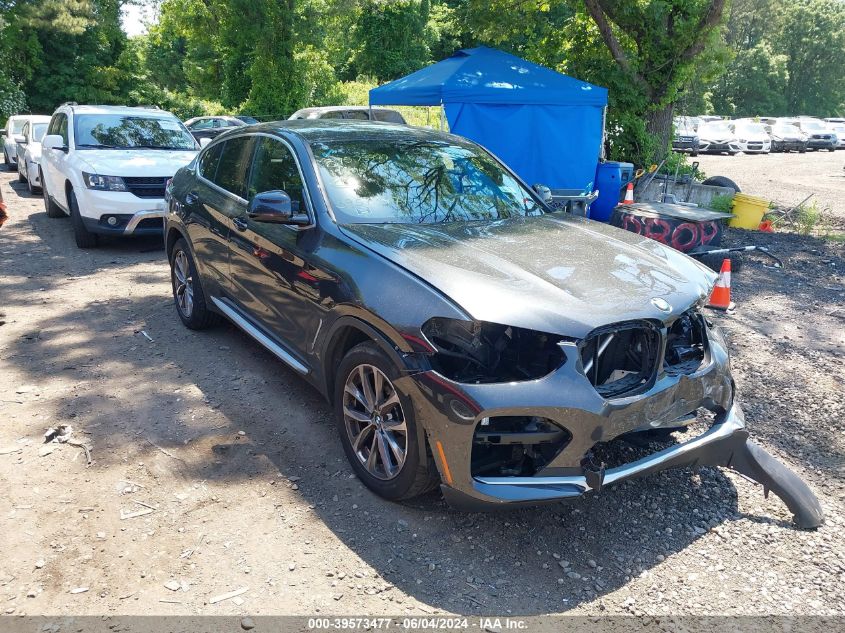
{"x": 658, "y": 45}
{"x": 755, "y": 83}
{"x": 812, "y": 38}
{"x": 64, "y": 50}
{"x": 391, "y": 38}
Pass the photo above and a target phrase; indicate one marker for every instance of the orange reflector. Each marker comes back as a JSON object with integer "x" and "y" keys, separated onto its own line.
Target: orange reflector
{"x": 446, "y": 473}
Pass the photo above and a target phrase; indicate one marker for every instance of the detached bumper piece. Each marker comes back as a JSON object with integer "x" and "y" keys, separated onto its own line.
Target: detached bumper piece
{"x": 726, "y": 444}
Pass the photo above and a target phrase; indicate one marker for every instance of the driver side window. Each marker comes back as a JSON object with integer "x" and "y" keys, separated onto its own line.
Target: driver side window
{"x": 273, "y": 168}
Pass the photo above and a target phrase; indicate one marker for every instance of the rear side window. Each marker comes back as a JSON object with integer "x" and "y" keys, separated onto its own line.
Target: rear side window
{"x": 233, "y": 165}
{"x": 275, "y": 168}
{"x": 209, "y": 161}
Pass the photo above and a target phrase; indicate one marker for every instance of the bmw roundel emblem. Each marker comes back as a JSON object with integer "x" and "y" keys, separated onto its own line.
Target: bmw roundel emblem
{"x": 661, "y": 304}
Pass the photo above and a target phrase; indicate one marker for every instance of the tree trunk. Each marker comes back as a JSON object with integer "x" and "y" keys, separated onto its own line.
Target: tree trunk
{"x": 659, "y": 125}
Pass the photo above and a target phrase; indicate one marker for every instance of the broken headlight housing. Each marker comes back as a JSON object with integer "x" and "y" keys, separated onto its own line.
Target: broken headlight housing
{"x": 482, "y": 352}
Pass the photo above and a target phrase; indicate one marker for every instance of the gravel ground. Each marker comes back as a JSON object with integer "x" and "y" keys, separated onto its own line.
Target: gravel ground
{"x": 787, "y": 178}
{"x": 246, "y": 486}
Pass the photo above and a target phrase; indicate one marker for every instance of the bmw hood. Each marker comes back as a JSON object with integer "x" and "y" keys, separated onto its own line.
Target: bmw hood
{"x": 561, "y": 275}
{"x": 135, "y": 162}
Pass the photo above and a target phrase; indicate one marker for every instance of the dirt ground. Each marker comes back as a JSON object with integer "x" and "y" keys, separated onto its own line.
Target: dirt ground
{"x": 231, "y": 474}
{"x": 788, "y": 179}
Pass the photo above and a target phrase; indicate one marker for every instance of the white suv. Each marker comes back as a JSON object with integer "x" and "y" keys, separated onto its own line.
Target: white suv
{"x": 107, "y": 168}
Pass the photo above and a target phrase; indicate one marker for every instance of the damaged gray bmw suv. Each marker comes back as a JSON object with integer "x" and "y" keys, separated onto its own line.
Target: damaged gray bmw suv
{"x": 467, "y": 336}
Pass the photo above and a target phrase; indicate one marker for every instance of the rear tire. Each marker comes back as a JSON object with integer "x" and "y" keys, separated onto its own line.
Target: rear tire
{"x": 53, "y": 210}
{"x": 416, "y": 475}
{"x": 20, "y": 176}
{"x": 722, "y": 181}
{"x": 188, "y": 295}
{"x": 84, "y": 238}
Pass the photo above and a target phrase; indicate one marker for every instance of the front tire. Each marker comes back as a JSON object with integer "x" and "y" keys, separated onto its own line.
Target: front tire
{"x": 377, "y": 426}
{"x": 188, "y": 295}
{"x": 84, "y": 238}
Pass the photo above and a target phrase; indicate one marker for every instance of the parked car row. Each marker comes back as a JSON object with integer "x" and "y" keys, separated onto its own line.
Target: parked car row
{"x": 106, "y": 166}
{"x": 711, "y": 134}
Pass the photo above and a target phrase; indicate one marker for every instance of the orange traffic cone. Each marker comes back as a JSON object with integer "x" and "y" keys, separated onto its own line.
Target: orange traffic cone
{"x": 720, "y": 298}
{"x": 629, "y": 194}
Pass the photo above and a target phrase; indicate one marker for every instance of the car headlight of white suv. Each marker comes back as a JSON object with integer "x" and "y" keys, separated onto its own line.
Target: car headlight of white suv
{"x": 103, "y": 183}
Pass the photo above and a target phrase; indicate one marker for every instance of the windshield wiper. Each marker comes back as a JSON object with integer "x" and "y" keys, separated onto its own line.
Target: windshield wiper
{"x": 99, "y": 146}
{"x": 184, "y": 149}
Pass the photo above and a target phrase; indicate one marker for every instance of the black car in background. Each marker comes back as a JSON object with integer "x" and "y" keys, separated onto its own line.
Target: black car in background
{"x": 210, "y": 126}
{"x": 685, "y": 138}
{"x": 466, "y": 334}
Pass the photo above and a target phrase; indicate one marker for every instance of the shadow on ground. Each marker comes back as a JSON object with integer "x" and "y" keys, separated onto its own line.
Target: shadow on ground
{"x": 449, "y": 560}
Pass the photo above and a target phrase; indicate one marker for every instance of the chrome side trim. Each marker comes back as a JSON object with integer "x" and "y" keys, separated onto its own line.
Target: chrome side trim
{"x": 259, "y": 336}
{"x": 143, "y": 215}
{"x": 734, "y": 421}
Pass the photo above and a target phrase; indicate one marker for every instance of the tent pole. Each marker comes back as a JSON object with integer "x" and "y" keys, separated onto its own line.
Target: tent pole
{"x": 603, "y": 133}
{"x": 441, "y": 116}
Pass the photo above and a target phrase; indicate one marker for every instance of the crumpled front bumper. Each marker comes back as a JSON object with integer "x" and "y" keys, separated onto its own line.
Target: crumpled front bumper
{"x": 714, "y": 447}
{"x": 451, "y": 411}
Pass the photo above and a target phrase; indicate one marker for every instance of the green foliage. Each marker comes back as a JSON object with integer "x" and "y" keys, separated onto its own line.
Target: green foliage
{"x": 755, "y": 83}
{"x": 682, "y": 163}
{"x": 392, "y": 38}
{"x": 723, "y": 203}
{"x": 813, "y": 41}
{"x": 12, "y": 99}
{"x": 787, "y": 60}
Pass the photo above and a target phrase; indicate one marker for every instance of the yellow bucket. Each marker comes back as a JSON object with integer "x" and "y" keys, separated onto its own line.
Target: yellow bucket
{"x": 748, "y": 211}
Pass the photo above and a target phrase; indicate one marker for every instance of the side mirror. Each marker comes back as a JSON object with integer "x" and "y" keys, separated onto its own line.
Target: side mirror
{"x": 19, "y": 138}
{"x": 275, "y": 207}
{"x": 204, "y": 142}
{"x": 53, "y": 141}
{"x": 544, "y": 192}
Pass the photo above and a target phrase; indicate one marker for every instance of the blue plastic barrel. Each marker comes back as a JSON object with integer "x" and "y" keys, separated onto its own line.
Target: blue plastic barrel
{"x": 611, "y": 177}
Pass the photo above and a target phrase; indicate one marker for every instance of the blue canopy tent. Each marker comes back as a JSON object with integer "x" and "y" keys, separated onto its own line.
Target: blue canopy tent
{"x": 546, "y": 126}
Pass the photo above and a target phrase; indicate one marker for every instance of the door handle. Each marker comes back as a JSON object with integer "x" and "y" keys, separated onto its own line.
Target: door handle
{"x": 191, "y": 197}
{"x": 240, "y": 223}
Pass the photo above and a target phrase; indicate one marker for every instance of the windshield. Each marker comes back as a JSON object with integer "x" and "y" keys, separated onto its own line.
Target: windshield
{"x": 17, "y": 125}
{"x": 751, "y": 128}
{"x": 38, "y": 131}
{"x": 125, "y": 131}
{"x": 812, "y": 125}
{"x": 715, "y": 128}
{"x": 378, "y": 181}
{"x": 784, "y": 128}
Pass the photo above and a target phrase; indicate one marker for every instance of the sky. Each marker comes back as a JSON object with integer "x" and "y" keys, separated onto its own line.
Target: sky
{"x": 134, "y": 18}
